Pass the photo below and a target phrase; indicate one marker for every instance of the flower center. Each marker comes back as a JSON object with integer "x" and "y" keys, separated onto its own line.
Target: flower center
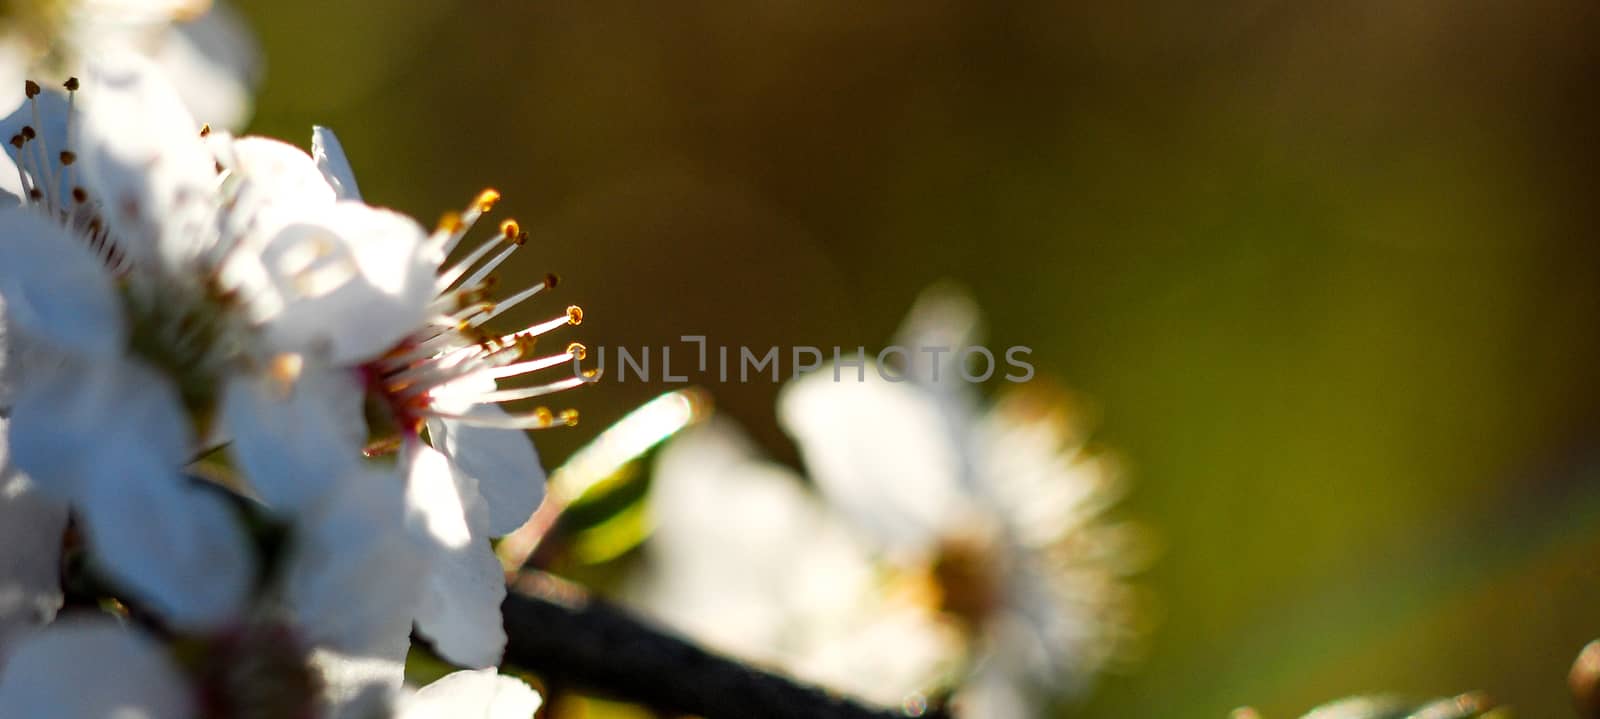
{"x": 966, "y": 573}
{"x": 450, "y": 367}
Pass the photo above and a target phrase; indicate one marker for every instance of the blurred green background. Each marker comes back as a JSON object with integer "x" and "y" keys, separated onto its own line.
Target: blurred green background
{"x": 1328, "y": 271}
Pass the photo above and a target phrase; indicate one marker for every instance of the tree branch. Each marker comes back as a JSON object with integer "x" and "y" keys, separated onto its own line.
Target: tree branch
{"x": 560, "y": 633}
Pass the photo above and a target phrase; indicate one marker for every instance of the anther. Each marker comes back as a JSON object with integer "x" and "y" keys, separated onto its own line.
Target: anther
{"x": 543, "y": 416}
{"x": 574, "y": 315}
{"x": 71, "y": 84}
{"x": 510, "y": 229}
{"x": 450, "y": 222}
{"x": 205, "y": 130}
{"x": 569, "y": 417}
{"x": 36, "y": 194}
{"x": 578, "y": 351}
{"x": 67, "y": 157}
{"x": 551, "y": 280}
{"x": 79, "y": 195}
{"x": 31, "y": 88}
{"x": 17, "y": 141}
{"x": 28, "y": 133}
{"x": 486, "y": 199}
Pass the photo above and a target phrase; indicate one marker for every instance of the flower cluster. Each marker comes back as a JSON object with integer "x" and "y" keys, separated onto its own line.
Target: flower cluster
{"x": 253, "y": 426}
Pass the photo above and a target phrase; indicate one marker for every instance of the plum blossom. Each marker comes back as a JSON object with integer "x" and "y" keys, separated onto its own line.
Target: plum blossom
{"x": 434, "y": 396}
{"x": 1000, "y": 509}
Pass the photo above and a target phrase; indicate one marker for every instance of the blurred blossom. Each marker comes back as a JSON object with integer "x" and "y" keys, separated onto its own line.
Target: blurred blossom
{"x": 745, "y": 558}
{"x": 204, "y": 48}
{"x": 951, "y": 549}
{"x": 999, "y": 509}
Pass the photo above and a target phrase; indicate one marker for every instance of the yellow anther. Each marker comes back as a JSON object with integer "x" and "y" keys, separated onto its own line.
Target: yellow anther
{"x": 574, "y": 315}
{"x": 486, "y": 199}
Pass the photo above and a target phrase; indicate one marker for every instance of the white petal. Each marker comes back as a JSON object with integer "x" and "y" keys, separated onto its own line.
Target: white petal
{"x": 460, "y": 610}
{"x": 354, "y": 544}
{"x": 944, "y": 317}
{"x": 334, "y": 165}
{"x": 358, "y": 687}
{"x": 352, "y": 278}
{"x": 92, "y": 669}
{"x": 882, "y": 451}
{"x": 481, "y": 694}
{"x": 75, "y": 423}
{"x": 279, "y": 182}
{"x": 56, "y": 290}
{"x": 501, "y": 465}
{"x": 178, "y": 550}
{"x": 214, "y": 62}
{"x": 433, "y": 498}
{"x": 143, "y": 157}
{"x": 295, "y": 438}
{"x": 31, "y": 526}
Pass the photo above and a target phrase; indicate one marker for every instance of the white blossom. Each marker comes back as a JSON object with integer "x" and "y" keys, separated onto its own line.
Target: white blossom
{"x": 1001, "y": 507}
{"x": 470, "y": 468}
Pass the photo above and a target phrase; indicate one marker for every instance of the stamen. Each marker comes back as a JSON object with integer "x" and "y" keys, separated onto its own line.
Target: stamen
{"x": 447, "y": 279}
{"x": 447, "y": 237}
{"x": 520, "y": 393}
{"x": 540, "y": 418}
{"x": 521, "y": 368}
{"x": 50, "y": 186}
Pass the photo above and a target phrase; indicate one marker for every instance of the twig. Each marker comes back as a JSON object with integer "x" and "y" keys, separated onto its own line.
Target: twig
{"x": 562, "y": 634}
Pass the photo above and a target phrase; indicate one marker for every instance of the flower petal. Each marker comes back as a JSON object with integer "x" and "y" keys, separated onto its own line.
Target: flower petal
{"x": 334, "y": 165}
{"x": 88, "y": 669}
{"x": 214, "y": 62}
{"x": 481, "y": 694}
{"x": 882, "y": 451}
{"x": 359, "y": 687}
{"x": 55, "y": 288}
{"x": 178, "y": 550}
{"x": 501, "y": 464}
{"x": 352, "y": 278}
{"x": 31, "y": 526}
{"x": 354, "y": 544}
{"x": 75, "y": 423}
{"x": 144, "y": 158}
{"x": 295, "y": 441}
{"x": 460, "y": 608}
{"x": 278, "y": 181}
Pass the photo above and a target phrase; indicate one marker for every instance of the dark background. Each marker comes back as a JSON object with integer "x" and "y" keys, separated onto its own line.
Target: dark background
{"x": 1327, "y": 271}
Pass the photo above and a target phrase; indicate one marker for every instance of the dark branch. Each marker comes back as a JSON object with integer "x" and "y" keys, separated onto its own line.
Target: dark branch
{"x": 574, "y": 640}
